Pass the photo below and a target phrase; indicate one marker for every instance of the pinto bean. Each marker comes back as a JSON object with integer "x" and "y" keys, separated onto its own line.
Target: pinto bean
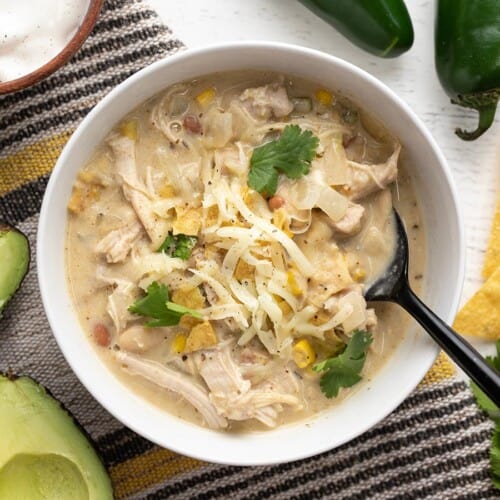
{"x": 192, "y": 124}
{"x": 276, "y": 202}
{"x": 101, "y": 335}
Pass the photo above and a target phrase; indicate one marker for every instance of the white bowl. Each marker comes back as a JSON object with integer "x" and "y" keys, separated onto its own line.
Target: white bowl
{"x": 374, "y": 400}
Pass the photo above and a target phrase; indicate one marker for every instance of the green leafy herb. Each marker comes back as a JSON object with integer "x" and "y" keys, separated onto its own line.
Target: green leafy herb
{"x": 487, "y": 405}
{"x": 156, "y": 305}
{"x": 291, "y": 155}
{"x": 179, "y": 245}
{"x": 344, "y": 370}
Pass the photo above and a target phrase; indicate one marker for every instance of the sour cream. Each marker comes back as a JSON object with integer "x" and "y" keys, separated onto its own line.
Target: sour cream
{"x": 32, "y": 32}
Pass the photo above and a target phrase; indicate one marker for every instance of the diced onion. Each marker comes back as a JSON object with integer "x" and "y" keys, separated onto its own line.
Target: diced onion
{"x": 334, "y": 163}
{"x": 305, "y": 194}
{"x": 358, "y": 314}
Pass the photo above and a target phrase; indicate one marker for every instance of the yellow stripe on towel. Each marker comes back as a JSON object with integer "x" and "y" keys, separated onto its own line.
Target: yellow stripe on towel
{"x": 442, "y": 369}
{"x": 144, "y": 471}
{"x": 30, "y": 163}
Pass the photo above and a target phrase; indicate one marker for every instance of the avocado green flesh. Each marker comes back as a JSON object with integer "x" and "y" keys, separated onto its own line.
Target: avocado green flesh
{"x": 43, "y": 453}
{"x": 38, "y": 477}
{"x": 15, "y": 258}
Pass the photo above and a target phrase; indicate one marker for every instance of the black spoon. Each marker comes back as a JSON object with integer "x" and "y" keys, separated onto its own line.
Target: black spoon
{"x": 393, "y": 286}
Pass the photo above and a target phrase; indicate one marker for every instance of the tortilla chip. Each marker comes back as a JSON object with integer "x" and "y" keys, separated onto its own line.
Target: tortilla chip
{"x": 188, "y": 221}
{"x": 492, "y": 259}
{"x": 480, "y": 316}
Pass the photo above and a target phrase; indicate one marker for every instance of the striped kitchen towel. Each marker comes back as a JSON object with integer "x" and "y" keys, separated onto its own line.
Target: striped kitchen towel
{"x": 435, "y": 445}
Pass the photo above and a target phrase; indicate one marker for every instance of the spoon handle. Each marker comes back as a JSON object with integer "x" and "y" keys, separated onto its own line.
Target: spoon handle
{"x": 471, "y": 362}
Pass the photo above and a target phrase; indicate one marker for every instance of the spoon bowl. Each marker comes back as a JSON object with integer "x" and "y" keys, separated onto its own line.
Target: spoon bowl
{"x": 393, "y": 286}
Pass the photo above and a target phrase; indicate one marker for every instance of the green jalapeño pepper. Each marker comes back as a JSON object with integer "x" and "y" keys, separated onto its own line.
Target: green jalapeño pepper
{"x": 467, "y": 41}
{"x": 381, "y": 27}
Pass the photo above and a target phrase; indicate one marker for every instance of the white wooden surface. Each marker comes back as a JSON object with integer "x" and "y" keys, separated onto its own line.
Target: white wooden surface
{"x": 411, "y": 76}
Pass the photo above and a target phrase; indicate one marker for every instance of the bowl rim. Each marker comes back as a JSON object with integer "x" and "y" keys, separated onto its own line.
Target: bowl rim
{"x": 62, "y": 57}
{"x": 291, "y": 49}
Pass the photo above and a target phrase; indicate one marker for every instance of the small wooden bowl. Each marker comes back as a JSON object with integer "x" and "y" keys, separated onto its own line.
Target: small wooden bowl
{"x": 60, "y": 59}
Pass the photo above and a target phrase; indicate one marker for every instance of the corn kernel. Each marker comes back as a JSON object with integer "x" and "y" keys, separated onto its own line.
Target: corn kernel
{"x": 179, "y": 343}
{"x": 129, "y": 129}
{"x": 359, "y": 274}
{"x": 292, "y": 283}
{"x": 303, "y": 353}
{"x": 324, "y": 97}
{"x": 206, "y": 97}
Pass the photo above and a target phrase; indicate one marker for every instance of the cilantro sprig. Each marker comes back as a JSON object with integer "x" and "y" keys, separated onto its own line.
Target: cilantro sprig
{"x": 488, "y": 406}
{"x": 344, "y": 370}
{"x": 156, "y": 305}
{"x": 179, "y": 245}
{"x": 291, "y": 155}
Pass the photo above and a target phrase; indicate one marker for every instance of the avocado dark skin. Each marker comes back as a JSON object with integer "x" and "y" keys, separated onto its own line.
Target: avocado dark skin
{"x": 14, "y": 261}
{"x": 43, "y": 452}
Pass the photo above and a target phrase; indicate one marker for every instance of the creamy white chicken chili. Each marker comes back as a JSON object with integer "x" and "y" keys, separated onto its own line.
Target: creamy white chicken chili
{"x": 219, "y": 242}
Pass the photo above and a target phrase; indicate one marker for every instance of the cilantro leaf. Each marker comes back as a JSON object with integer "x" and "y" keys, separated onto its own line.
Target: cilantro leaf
{"x": 493, "y": 411}
{"x": 156, "y": 305}
{"x": 482, "y": 400}
{"x": 291, "y": 155}
{"x": 344, "y": 369}
{"x": 485, "y": 403}
{"x": 179, "y": 245}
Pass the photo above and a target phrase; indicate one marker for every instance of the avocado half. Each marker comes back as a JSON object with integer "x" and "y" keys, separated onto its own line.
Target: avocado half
{"x": 14, "y": 259}
{"x": 44, "y": 455}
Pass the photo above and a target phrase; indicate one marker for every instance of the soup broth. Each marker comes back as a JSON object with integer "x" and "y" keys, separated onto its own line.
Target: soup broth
{"x": 220, "y": 239}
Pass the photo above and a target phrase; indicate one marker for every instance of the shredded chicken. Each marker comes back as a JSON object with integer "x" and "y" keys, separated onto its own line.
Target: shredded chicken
{"x": 182, "y": 384}
{"x": 124, "y": 150}
{"x": 119, "y": 300}
{"x": 331, "y": 274}
{"x": 117, "y": 244}
{"x": 268, "y": 100}
{"x": 350, "y": 224}
{"x": 234, "y": 397}
{"x": 365, "y": 179}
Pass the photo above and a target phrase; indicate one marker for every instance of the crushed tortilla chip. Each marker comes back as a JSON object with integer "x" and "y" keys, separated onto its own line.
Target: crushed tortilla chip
{"x": 244, "y": 271}
{"x": 189, "y": 297}
{"x": 480, "y": 316}
{"x": 212, "y": 216}
{"x": 187, "y": 221}
{"x": 492, "y": 259}
{"x": 201, "y": 337}
{"x": 129, "y": 129}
